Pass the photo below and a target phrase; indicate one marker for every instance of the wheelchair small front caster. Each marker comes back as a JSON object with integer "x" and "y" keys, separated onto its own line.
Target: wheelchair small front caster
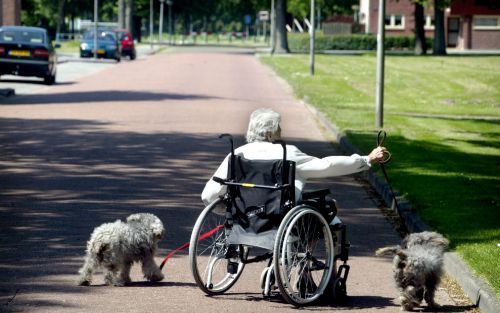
{"x": 339, "y": 290}
{"x": 267, "y": 281}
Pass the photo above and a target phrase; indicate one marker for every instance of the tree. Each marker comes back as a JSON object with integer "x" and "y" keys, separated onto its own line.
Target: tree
{"x": 300, "y": 8}
{"x": 281, "y": 42}
{"x": 420, "y": 42}
{"x": 60, "y": 16}
{"x": 439, "y": 46}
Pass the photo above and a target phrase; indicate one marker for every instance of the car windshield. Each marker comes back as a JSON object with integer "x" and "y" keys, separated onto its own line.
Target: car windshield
{"x": 23, "y": 36}
{"x": 101, "y": 35}
{"x": 123, "y": 36}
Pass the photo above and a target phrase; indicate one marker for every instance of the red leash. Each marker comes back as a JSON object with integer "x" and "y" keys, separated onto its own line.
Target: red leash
{"x": 184, "y": 246}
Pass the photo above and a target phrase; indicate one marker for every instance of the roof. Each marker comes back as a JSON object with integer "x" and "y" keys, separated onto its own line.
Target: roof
{"x": 28, "y": 28}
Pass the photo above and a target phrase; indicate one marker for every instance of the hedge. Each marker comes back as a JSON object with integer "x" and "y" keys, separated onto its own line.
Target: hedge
{"x": 300, "y": 42}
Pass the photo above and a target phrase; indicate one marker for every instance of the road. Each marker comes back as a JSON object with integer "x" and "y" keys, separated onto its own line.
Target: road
{"x": 141, "y": 137}
{"x": 69, "y": 68}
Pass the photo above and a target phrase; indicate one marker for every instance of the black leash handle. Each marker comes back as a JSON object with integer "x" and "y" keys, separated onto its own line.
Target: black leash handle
{"x": 382, "y": 135}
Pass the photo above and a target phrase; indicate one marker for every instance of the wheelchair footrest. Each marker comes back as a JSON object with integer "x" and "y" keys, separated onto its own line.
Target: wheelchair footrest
{"x": 258, "y": 258}
{"x": 343, "y": 254}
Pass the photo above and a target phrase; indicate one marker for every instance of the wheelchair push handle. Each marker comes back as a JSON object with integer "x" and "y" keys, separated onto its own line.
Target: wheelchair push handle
{"x": 230, "y": 138}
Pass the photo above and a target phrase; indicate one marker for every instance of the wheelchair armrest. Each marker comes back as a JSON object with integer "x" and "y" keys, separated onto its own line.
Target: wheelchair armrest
{"x": 321, "y": 193}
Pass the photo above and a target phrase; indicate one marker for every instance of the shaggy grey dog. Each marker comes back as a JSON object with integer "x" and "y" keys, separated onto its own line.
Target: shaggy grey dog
{"x": 116, "y": 246}
{"x": 418, "y": 267}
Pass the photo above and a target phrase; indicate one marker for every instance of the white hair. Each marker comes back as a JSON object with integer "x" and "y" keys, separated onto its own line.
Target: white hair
{"x": 262, "y": 122}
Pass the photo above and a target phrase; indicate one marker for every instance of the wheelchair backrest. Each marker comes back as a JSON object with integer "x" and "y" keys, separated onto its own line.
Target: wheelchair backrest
{"x": 264, "y": 193}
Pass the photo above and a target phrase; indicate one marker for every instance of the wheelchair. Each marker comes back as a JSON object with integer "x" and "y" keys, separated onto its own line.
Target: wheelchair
{"x": 299, "y": 241}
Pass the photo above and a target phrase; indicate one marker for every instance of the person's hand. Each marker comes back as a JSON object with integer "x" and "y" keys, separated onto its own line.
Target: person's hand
{"x": 377, "y": 154}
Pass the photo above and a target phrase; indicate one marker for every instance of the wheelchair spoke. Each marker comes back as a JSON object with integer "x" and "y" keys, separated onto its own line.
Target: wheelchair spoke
{"x": 207, "y": 254}
{"x": 304, "y": 255}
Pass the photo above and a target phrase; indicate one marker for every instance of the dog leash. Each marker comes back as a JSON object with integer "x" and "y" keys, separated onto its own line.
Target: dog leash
{"x": 382, "y": 135}
{"x": 186, "y": 245}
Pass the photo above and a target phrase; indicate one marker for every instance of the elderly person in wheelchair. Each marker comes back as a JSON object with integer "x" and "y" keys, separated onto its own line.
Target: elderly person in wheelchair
{"x": 259, "y": 188}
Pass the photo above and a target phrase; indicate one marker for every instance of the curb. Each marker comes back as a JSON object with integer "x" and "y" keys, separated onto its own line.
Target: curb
{"x": 7, "y": 92}
{"x": 475, "y": 288}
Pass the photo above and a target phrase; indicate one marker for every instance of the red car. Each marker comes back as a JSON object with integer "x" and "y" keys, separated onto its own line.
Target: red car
{"x": 128, "y": 46}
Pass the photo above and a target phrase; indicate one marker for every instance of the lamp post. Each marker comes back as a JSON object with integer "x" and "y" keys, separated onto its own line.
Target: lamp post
{"x": 161, "y": 21}
{"x": 151, "y": 24}
{"x": 311, "y": 40}
{"x": 379, "y": 94}
{"x": 273, "y": 26}
{"x": 169, "y": 3}
{"x": 96, "y": 17}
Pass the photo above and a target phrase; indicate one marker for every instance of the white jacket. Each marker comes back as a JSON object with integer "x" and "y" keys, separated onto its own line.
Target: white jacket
{"x": 306, "y": 166}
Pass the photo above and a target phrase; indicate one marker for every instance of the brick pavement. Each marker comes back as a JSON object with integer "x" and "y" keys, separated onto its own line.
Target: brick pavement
{"x": 141, "y": 136}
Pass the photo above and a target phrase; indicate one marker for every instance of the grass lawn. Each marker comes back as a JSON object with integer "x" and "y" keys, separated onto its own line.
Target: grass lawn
{"x": 71, "y": 46}
{"x": 442, "y": 116}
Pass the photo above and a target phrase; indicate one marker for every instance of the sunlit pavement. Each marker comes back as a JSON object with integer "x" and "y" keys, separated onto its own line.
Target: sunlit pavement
{"x": 142, "y": 136}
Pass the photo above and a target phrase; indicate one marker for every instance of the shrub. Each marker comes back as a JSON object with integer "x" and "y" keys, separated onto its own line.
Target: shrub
{"x": 300, "y": 42}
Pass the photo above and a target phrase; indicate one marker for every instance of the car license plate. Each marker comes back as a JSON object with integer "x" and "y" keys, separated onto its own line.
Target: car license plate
{"x": 101, "y": 51}
{"x": 19, "y": 53}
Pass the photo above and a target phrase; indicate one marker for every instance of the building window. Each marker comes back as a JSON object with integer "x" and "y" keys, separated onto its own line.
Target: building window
{"x": 429, "y": 22}
{"x": 486, "y": 22}
{"x": 395, "y": 21}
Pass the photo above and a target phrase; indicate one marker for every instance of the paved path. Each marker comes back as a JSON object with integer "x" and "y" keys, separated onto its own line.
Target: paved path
{"x": 141, "y": 136}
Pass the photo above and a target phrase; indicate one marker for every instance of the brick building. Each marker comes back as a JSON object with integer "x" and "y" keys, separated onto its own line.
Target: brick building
{"x": 469, "y": 24}
{"x": 10, "y": 12}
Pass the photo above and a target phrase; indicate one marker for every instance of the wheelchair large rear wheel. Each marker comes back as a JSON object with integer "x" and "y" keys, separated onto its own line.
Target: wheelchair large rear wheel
{"x": 208, "y": 249}
{"x": 303, "y": 256}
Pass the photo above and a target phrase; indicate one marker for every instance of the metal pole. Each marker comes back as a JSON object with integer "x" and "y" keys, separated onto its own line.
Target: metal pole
{"x": 96, "y": 17}
{"x": 170, "y": 20}
{"x": 273, "y": 26}
{"x": 151, "y": 24}
{"x": 264, "y": 29}
{"x": 379, "y": 96}
{"x": 311, "y": 41}
{"x": 161, "y": 22}
{"x": 319, "y": 19}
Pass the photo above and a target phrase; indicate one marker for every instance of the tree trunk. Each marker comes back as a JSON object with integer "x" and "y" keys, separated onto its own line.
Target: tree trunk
{"x": 439, "y": 47}
{"x": 281, "y": 44}
{"x": 420, "y": 43}
{"x": 129, "y": 15}
{"x": 60, "y": 17}
{"x": 121, "y": 13}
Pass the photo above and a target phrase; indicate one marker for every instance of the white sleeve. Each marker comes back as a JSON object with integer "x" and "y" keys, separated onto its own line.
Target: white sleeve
{"x": 332, "y": 166}
{"x": 213, "y": 189}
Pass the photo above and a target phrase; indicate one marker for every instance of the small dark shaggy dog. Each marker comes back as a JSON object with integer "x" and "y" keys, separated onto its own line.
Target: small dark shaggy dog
{"x": 114, "y": 247}
{"x": 418, "y": 267}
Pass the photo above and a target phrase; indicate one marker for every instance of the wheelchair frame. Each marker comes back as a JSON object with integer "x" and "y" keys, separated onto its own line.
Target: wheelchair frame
{"x": 306, "y": 247}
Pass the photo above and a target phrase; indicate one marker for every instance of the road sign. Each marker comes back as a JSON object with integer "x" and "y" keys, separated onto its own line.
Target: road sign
{"x": 263, "y": 15}
{"x": 248, "y": 19}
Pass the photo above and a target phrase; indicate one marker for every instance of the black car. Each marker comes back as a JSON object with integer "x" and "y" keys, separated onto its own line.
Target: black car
{"x": 27, "y": 51}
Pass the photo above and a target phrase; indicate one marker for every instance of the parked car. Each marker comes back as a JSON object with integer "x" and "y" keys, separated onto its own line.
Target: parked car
{"x": 27, "y": 51}
{"x": 108, "y": 45}
{"x": 128, "y": 45}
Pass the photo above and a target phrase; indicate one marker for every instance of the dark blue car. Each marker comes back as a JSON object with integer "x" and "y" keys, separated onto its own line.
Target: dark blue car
{"x": 27, "y": 51}
{"x": 108, "y": 45}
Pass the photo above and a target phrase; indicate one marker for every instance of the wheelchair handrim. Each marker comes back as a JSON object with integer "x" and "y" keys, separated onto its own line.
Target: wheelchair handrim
{"x": 283, "y": 283}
